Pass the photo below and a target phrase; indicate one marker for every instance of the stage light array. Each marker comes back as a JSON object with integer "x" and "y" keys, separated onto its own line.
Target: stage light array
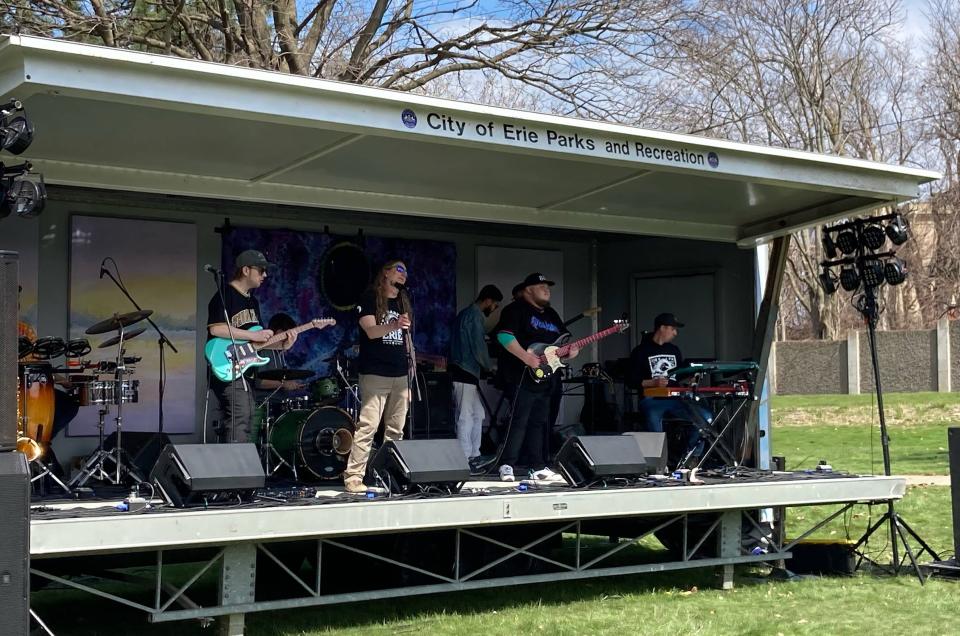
{"x": 21, "y": 193}
{"x": 861, "y": 262}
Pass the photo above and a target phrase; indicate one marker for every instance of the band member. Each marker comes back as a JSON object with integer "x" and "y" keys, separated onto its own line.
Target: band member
{"x": 241, "y": 308}
{"x": 468, "y": 359}
{"x": 651, "y": 363}
{"x": 383, "y": 368}
{"x": 524, "y": 322}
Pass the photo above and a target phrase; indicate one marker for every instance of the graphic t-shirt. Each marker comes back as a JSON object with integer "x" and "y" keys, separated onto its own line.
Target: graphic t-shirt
{"x": 386, "y": 356}
{"x": 243, "y": 311}
{"x": 650, "y": 360}
{"x": 529, "y": 325}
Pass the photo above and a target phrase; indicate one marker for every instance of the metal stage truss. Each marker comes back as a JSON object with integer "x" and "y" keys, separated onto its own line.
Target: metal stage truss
{"x": 421, "y": 545}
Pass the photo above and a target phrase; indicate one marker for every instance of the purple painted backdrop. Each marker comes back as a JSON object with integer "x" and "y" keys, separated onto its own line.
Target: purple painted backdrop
{"x": 294, "y": 287}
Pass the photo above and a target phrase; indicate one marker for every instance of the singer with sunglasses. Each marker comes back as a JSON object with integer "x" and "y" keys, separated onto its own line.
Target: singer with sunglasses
{"x": 385, "y": 321}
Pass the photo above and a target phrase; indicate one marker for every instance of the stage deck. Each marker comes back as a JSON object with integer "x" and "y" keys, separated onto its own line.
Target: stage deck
{"x": 96, "y": 527}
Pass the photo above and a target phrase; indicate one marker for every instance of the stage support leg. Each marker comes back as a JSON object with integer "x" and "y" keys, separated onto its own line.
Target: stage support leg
{"x": 237, "y": 584}
{"x": 729, "y": 545}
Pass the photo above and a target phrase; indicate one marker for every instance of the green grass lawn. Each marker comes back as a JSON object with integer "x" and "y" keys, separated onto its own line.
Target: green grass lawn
{"x": 835, "y": 428}
{"x": 845, "y": 431}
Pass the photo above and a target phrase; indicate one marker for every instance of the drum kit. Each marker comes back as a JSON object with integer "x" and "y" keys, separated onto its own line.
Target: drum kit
{"x": 103, "y": 384}
{"x": 310, "y": 436}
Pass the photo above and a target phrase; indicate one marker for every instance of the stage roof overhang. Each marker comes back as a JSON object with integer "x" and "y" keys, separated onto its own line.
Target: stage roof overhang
{"x": 121, "y": 120}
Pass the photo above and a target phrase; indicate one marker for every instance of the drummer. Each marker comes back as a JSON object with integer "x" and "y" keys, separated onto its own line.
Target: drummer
{"x": 278, "y": 360}
{"x": 274, "y": 390}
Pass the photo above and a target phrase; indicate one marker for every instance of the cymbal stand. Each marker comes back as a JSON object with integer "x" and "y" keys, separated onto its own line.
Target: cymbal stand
{"x": 94, "y": 464}
{"x": 267, "y": 448}
{"x": 354, "y": 409}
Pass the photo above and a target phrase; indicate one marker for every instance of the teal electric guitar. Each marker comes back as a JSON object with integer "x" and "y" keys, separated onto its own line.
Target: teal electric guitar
{"x": 229, "y": 361}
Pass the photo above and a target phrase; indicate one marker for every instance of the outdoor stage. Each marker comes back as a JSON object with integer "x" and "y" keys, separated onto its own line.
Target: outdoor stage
{"x": 491, "y": 534}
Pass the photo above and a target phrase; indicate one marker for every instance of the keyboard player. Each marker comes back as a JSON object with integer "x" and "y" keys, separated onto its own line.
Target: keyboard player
{"x": 651, "y": 363}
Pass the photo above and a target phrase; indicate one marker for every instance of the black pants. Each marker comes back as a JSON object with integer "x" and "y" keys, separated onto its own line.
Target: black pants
{"x": 528, "y": 424}
{"x": 236, "y": 407}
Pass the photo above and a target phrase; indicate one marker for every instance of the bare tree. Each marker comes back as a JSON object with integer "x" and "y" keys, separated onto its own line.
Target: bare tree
{"x": 827, "y": 77}
{"x": 586, "y": 56}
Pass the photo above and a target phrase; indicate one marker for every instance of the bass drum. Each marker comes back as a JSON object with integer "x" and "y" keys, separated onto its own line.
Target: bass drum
{"x": 317, "y": 442}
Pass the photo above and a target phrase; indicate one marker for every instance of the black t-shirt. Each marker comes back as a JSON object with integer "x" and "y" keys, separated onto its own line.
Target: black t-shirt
{"x": 651, "y": 360}
{"x": 528, "y": 325}
{"x": 386, "y": 356}
{"x": 244, "y": 311}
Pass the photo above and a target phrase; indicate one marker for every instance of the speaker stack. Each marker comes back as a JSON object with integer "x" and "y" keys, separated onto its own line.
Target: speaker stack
{"x": 201, "y": 474}
{"x": 14, "y": 471}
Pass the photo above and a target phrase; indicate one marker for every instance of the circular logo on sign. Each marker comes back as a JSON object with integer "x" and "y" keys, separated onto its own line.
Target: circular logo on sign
{"x": 713, "y": 159}
{"x": 409, "y": 118}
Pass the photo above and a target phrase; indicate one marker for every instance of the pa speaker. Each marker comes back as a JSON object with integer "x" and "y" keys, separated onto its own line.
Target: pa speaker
{"x": 953, "y": 442}
{"x": 409, "y": 466}
{"x": 189, "y": 474}
{"x": 9, "y": 275}
{"x": 586, "y": 459}
{"x": 15, "y": 556}
{"x": 654, "y": 449}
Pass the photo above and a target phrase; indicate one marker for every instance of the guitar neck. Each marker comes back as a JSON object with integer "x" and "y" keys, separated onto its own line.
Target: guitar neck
{"x": 579, "y": 344}
{"x": 283, "y": 334}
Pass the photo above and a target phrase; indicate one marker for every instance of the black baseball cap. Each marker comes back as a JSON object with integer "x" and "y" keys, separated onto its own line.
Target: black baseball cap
{"x": 536, "y": 278}
{"x": 252, "y": 258}
{"x": 666, "y": 319}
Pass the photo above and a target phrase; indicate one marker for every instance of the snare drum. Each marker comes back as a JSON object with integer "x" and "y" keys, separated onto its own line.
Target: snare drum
{"x": 294, "y": 404}
{"x": 325, "y": 391}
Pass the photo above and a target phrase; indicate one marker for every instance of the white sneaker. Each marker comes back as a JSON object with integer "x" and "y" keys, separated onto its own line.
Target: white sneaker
{"x": 506, "y": 473}
{"x": 545, "y": 474}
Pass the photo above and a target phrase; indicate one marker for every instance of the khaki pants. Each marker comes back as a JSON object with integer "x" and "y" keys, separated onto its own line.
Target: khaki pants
{"x": 381, "y": 398}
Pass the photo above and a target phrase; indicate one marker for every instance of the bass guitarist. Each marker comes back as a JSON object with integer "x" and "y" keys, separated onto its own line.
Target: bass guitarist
{"x": 526, "y": 321}
{"x": 242, "y": 309}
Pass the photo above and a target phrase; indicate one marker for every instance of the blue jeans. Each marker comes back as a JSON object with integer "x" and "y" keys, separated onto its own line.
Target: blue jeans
{"x": 655, "y": 409}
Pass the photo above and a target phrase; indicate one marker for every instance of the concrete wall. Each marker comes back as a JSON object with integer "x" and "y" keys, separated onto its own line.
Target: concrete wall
{"x": 907, "y": 359}
{"x": 811, "y": 366}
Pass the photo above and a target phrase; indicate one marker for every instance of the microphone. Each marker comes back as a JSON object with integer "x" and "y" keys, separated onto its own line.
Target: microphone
{"x": 211, "y": 269}
{"x": 400, "y": 286}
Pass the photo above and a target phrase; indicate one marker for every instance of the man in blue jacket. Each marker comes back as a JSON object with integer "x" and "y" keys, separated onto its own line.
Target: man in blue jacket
{"x": 468, "y": 359}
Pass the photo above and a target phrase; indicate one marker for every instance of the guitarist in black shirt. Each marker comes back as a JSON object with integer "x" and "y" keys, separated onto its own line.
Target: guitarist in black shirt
{"x": 526, "y": 321}
{"x": 243, "y": 311}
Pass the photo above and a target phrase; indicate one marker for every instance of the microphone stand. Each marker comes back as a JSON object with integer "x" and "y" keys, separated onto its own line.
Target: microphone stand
{"x": 161, "y": 341}
{"x": 412, "y": 381}
{"x": 218, "y": 280}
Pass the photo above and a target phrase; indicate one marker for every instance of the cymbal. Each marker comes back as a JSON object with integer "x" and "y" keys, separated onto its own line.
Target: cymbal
{"x": 281, "y": 375}
{"x": 126, "y": 336}
{"x": 118, "y": 321}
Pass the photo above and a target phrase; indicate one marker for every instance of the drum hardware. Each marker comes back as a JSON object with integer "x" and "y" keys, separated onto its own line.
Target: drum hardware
{"x": 77, "y": 348}
{"x": 353, "y": 406}
{"x": 24, "y": 347}
{"x": 124, "y": 391}
{"x": 49, "y": 347}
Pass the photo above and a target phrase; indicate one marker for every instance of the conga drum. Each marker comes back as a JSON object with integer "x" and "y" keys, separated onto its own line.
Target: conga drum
{"x": 36, "y": 401}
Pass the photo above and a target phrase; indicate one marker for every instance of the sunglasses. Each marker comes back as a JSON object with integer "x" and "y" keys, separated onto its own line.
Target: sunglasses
{"x": 400, "y": 268}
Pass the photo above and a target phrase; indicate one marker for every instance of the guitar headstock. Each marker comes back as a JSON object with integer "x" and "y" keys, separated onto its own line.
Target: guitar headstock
{"x": 320, "y": 323}
{"x": 622, "y": 324}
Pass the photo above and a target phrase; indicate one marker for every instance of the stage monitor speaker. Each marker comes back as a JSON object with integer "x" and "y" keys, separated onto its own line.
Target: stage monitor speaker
{"x": 9, "y": 296}
{"x": 586, "y": 459}
{"x": 15, "y": 555}
{"x": 421, "y": 465}
{"x": 654, "y": 448}
{"x": 953, "y": 443}
{"x": 189, "y": 474}
{"x": 142, "y": 448}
